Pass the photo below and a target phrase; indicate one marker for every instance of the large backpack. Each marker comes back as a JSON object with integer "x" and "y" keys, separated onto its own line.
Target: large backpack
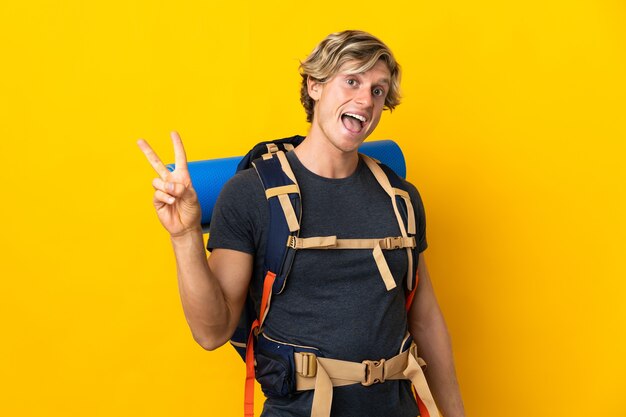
{"x": 281, "y": 188}
{"x": 283, "y": 195}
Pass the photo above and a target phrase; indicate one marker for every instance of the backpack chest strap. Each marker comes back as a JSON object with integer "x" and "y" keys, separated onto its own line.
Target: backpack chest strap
{"x": 331, "y": 242}
{"x": 377, "y": 246}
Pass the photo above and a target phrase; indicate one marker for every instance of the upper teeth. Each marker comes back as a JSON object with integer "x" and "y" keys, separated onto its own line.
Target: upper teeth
{"x": 356, "y": 116}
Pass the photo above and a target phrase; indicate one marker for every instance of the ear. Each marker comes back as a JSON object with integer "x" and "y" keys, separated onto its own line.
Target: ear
{"x": 314, "y": 88}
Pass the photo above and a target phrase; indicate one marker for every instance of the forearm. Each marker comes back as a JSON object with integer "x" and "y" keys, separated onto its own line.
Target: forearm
{"x": 204, "y": 304}
{"x": 434, "y": 346}
{"x": 211, "y": 295}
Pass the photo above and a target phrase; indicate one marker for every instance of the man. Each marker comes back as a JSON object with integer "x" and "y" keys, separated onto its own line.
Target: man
{"x": 335, "y": 301}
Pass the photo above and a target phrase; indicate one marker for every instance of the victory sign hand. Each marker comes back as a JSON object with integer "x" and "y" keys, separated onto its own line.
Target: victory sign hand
{"x": 175, "y": 200}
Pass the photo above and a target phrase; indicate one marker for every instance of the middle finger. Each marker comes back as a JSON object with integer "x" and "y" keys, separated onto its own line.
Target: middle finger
{"x": 153, "y": 158}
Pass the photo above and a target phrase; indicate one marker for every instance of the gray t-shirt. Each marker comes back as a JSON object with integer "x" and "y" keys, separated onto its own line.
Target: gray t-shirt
{"x": 334, "y": 300}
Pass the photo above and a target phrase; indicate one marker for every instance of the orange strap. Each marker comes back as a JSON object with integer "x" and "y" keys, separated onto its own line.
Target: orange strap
{"x": 422, "y": 407}
{"x": 268, "y": 283}
{"x": 248, "y": 402}
{"x": 411, "y": 295}
{"x": 420, "y": 404}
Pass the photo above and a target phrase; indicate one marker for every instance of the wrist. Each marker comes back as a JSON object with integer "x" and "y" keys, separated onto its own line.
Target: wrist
{"x": 187, "y": 235}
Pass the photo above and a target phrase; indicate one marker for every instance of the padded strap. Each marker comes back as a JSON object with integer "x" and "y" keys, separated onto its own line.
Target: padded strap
{"x": 282, "y": 192}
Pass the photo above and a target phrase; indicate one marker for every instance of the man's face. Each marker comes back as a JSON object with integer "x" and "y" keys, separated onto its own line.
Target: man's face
{"x": 348, "y": 106}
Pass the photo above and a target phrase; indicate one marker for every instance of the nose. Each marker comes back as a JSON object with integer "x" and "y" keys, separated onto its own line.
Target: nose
{"x": 363, "y": 97}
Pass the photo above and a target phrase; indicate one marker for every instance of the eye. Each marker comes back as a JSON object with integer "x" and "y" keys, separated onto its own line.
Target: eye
{"x": 378, "y": 91}
{"x": 351, "y": 81}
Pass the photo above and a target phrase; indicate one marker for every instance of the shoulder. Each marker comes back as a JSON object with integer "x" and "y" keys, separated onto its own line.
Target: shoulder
{"x": 239, "y": 214}
{"x": 420, "y": 215}
{"x": 413, "y": 191}
{"x": 402, "y": 183}
{"x": 416, "y": 198}
{"x": 244, "y": 185}
{"x": 241, "y": 200}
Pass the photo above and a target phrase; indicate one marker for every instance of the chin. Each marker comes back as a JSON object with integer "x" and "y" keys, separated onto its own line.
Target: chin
{"x": 349, "y": 144}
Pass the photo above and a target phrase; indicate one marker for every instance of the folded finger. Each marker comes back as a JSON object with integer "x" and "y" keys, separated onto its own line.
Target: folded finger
{"x": 172, "y": 188}
{"x": 161, "y": 197}
{"x": 153, "y": 158}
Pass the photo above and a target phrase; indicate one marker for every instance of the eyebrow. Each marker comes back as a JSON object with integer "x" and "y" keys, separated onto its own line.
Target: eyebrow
{"x": 381, "y": 81}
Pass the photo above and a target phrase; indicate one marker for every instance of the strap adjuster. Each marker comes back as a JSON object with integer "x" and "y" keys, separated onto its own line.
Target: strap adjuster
{"x": 309, "y": 364}
{"x": 272, "y": 148}
{"x": 393, "y": 242}
{"x": 374, "y": 372}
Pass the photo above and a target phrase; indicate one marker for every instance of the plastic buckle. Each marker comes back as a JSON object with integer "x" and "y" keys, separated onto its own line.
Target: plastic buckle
{"x": 291, "y": 242}
{"x": 374, "y": 372}
{"x": 393, "y": 242}
{"x": 309, "y": 364}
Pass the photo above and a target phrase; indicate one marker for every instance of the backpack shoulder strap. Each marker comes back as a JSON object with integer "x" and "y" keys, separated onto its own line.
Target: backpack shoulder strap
{"x": 283, "y": 196}
{"x": 269, "y": 147}
{"x": 403, "y": 209}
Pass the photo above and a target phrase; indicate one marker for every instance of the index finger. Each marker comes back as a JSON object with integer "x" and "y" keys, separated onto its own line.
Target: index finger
{"x": 153, "y": 158}
{"x": 180, "y": 157}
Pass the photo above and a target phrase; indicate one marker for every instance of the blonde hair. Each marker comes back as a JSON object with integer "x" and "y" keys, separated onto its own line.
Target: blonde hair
{"x": 339, "y": 48}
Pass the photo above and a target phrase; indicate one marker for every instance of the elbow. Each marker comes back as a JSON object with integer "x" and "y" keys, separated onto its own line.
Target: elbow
{"x": 210, "y": 335}
{"x": 206, "y": 345}
{"x": 207, "y": 342}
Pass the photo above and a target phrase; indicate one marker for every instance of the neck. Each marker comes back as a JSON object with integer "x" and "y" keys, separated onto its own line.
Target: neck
{"x": 323, "y": 158}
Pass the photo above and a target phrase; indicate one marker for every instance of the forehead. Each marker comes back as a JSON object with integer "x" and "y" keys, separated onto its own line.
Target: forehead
{"x": 379, "y": 72}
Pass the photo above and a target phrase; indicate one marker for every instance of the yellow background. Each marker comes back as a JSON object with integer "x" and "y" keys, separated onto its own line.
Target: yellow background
{"x": 513, "y": 126}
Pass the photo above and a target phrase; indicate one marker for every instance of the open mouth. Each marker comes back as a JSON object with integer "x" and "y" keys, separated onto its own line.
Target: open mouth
{"x": 353, "y": 122}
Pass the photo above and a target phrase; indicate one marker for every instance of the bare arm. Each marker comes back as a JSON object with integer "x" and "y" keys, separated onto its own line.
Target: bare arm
{"x": 429, "y": 330}
{"x": 212, "y": 292}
